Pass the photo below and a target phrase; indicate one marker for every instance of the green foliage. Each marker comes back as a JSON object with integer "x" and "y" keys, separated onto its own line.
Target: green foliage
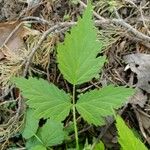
{"x": 33, "y": 142}
{"x": 94, "y": 146}
{"x": 99, "y": 146}
{"x": 78, "y": 62}
{"x": 87, "y": 146}
{"x": 31, "y": 125}
{"x": 77, "y": 55}
{"x": 46, "y": 99}
{"x": 70, "y": 128}
{"x": 126, "y": 138}
{"x": 50, "y": 134}
{"x": 38, "y": 147}
{"x": 96, "y": 104}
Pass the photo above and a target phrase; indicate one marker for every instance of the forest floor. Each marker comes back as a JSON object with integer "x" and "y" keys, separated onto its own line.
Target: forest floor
{"x": 26, "y": 50}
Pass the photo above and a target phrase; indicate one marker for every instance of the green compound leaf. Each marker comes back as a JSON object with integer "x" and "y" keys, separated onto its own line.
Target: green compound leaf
{"x": 51, "y": 133}
{"x": 77, "y": 56}
{"x": 96, "y": 104}
{"x": 31, "y": 124}
{"x": 126, "y": 138}
{"x": 45, "y": 98}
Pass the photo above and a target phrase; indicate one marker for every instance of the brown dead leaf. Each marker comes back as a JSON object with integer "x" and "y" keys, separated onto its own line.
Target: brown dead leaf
{"x": 140, "y": 65}
{"x": 15, "y": 41}
{"x": 12, "y": 50}
{"x": 12, "y": 43}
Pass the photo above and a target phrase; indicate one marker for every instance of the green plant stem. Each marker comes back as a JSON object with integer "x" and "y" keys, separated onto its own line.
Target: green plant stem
{"x": 74, "y": 119}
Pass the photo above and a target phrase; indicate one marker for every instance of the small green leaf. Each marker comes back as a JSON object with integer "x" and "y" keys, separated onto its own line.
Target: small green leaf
{"x": 96, "y": 104}
{"x": 31, "y": 124}
{"x": 77, "y": 56}
{"x": 51, "y": 133}
{"x": 70, "y": 128}
{"x": 87, "y": 146}
{"x": 99, "y": 146}
{"x": 45, "y": 98}
{"x": 126, "y": 138}
{"x": 33, "y": 141}
{"x": 38, "y": 147}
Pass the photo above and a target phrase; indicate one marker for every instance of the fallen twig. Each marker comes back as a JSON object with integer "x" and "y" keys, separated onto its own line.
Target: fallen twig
{"x": 131, "y": 29}
{"x": 37, "y": 19}
{"x": 7, "y": 92}
{"x": 140, "y": 124}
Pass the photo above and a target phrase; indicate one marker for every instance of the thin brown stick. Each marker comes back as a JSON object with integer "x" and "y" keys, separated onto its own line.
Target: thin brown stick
{"x": 131, "y": 29}
{"x": 6, "y": 102}
{"x": 38, "y": 19}
{"x": 140, "y": 124}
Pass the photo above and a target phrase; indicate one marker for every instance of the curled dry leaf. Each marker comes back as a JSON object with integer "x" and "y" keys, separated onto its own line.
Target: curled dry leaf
{"x": 12, "y": 49}
{"x": 14, "y": 42}
{"x": 140, "y": 65}
{"x": 11, "y": 38}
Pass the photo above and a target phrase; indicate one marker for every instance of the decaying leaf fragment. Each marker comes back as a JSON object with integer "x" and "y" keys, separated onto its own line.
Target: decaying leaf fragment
{"x": 14, "y": 41}
{"x": 140, "y": 65}
{"x": 11, "y": 38}
{"x": 12, "y": 48}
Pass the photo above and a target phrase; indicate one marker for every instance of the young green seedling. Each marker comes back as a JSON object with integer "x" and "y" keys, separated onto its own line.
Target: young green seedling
{"x": 78, "y": 62}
